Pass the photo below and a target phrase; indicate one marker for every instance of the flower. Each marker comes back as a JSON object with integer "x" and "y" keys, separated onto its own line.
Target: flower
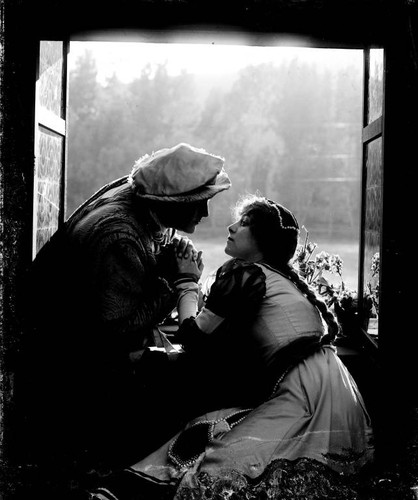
{"x": 373, "y": 283}
{"x": 314, "y": 268}
{"x": 375, "y": 265}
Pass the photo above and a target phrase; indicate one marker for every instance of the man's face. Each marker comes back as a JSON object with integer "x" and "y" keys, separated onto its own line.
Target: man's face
{"x": 186, "y": 216}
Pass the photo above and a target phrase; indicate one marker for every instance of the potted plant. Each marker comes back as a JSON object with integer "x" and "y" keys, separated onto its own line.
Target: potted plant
{"x": 344, "y": 300}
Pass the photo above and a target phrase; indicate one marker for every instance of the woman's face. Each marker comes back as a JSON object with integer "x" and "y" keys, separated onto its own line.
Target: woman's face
{"x": 241, "y": 243}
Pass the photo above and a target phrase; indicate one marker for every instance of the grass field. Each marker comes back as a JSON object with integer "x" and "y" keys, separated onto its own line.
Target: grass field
{"x": 214, "y": 256}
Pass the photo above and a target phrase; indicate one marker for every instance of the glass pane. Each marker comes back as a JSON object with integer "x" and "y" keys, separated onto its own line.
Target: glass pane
{"x": 373, "y": 217}
{"x": 51, "y": 148}
{"x": 51, "y": 65}
{"x": 375, "y": 101}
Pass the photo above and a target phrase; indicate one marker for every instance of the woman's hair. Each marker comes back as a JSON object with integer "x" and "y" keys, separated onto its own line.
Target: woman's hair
{"x": 276, "y": 232}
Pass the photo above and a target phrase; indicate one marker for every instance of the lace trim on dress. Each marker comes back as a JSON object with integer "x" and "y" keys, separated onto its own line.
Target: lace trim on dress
{"x": 284, "y": 479}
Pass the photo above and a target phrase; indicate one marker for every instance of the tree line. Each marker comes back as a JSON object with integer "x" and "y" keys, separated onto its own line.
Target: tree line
{"x": 289, "y": 131}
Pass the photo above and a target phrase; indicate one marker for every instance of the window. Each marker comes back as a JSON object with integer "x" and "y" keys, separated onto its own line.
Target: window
{"x": 287, "y": 119}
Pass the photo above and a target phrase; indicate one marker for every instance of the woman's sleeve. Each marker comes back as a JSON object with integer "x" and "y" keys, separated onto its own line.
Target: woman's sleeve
{"x": 188, "y": 299}
{"x": 238, "y": 289}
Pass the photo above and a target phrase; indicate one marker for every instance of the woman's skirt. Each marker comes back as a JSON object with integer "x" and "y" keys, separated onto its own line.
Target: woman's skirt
{"x": 316, "y": 412}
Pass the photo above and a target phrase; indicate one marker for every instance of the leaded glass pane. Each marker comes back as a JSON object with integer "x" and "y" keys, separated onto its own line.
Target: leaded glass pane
{"x": 375, "y": 85}
{"x": 51, "y": 66}
{"x": 373, "y": 218}
{"x": 48, "y": 182}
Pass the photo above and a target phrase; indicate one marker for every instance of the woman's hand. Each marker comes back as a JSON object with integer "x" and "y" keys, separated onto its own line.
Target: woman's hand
{"x": 191, "y": 265}
{"x": 180, "y": 247}
{"x": 184, "y": 247}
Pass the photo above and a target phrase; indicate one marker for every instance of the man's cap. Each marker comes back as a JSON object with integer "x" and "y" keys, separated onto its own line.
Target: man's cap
{"x": 182, "y": 173}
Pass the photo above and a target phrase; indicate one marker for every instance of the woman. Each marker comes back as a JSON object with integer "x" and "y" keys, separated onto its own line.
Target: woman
{"x": 304, "y": 403}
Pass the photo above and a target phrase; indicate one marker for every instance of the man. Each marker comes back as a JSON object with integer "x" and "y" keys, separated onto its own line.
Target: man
{"x": 99, "y": 287}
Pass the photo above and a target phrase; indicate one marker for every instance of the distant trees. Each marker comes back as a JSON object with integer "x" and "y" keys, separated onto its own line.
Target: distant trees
{"x": 290, "y": 131}
{"x": 111, "y": 126}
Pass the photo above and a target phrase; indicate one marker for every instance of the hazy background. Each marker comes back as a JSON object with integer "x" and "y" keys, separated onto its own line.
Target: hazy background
{"x": 287, "y": 121}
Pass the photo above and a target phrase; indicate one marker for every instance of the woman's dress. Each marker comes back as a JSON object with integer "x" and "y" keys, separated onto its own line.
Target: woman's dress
{"x": 314, "y": 410}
